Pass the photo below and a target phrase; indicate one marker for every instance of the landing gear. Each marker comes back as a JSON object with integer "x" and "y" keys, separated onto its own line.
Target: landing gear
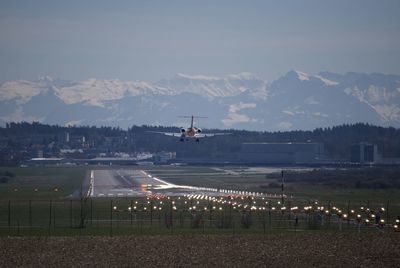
{"x": 182, "y": 139}
{"x": 197, "y": 140}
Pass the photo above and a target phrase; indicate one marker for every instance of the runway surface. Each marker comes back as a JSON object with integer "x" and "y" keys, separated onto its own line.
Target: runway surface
{"x": 125, "y": 182}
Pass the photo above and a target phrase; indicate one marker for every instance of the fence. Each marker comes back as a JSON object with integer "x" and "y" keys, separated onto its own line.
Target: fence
{"x": 181, "y": 215}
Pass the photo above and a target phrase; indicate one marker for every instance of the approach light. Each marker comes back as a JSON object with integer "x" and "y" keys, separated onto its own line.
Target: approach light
{"x": 115, "y": 207}
{"x": 129, "y": 208}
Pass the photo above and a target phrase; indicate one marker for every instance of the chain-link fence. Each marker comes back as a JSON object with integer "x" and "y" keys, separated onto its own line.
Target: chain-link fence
{"x": 104, "y": 216}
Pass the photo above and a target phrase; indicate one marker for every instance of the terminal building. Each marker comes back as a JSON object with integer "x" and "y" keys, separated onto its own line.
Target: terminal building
{"x": 364, "y": 153}
{"x": 282, "y": 153}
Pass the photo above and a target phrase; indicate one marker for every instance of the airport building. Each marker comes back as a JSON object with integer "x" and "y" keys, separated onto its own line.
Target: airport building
{"x": 282, "y": 153}
{"x": 364, "y": 153}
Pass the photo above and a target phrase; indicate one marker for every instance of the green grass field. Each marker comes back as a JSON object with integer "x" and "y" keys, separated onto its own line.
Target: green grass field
{"x": 41, "y": 182}
{"x": 24, "y": 211}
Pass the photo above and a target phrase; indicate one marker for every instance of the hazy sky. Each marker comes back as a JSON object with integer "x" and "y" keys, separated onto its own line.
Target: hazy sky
{"x": 149, "y": 40}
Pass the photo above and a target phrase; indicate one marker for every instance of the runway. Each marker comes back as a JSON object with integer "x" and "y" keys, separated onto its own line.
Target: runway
{"x": 136, "y": 183}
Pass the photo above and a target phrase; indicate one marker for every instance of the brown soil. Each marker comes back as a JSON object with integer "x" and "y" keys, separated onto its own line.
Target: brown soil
{"x": 274, "y": 250}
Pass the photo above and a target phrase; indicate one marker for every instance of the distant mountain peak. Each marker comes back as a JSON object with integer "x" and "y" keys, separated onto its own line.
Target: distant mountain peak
{"x": 302, "y": 76}
{"x": 297, "y": 100}
{"x": 198, "y": 77}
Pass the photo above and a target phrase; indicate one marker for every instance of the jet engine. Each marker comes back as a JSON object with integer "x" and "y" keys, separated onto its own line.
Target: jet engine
{"x": 199, "y": 130}
{"x": 183, "y": 130}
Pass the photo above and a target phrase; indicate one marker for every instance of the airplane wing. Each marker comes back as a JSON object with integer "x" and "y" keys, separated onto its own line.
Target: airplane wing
{"x": 205, "y": 135}
{"x": 172, "y": 134}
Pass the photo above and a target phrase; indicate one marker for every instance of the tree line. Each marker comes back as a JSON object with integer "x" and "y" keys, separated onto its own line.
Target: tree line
{"x": 337, "y": 140}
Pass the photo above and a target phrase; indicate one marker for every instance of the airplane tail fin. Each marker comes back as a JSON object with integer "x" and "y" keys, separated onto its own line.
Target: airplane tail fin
{"x": 192, "y": 118}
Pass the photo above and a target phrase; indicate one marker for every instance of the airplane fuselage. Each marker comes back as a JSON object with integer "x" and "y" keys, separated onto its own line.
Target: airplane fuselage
{"x": 190, "y": 132}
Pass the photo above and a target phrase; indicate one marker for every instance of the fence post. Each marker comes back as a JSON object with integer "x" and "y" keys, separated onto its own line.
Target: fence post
{"x": 54, "y": 218}
{"x": 50, "y": 209}
{"x": 9, "y": 213}
{"x": 151, "y": 213}
{"x": 387, "y": 211}
{"x": 348, "y": 214}
{"x": 111, "y": 218}
{"x": 209, "y": 215}
{"x": 171, "y": 217}
{"x": 264, "y": 221}
{"x": 329, "y": 214}
{"x": 91, "y": 212}
{"x": 81, "y": 221}
{"x": 269, "y": 213}
{"x": 70, "y": 213}
{"x": 130, "y": 211}
{"x": 30, "y": 213}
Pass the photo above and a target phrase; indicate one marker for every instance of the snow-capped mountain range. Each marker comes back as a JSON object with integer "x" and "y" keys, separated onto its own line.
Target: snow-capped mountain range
{"x": 295, "y": 101}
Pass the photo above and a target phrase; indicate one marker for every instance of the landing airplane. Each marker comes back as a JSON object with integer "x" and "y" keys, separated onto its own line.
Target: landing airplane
{"x": 191, "y": 132}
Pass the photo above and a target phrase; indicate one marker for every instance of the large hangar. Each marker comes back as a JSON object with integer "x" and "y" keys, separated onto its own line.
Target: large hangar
{"x": 282, "y": 153}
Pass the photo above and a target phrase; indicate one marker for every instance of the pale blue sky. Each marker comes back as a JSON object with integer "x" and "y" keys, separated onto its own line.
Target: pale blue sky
{"x": 150, "y": 40}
